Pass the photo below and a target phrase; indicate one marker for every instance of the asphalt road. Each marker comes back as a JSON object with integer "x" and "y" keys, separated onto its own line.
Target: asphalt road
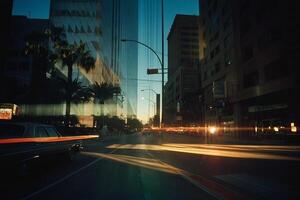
{"x": 163, "y": 167}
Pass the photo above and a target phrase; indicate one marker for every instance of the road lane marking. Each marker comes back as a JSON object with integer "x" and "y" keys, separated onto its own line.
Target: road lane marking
{"x": 64, "y": 178}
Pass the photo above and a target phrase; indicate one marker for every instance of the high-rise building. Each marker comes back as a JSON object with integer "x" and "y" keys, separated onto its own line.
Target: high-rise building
{"x": 268, "y": 45}
{"x": 183, "y": 42}
{"x": 81, "y": 21}
{"x": 248, "y": 52}
{"x": 5, "y": 16}
{"x": 18, "y": 69}
{"x": 218, "y": 66}
{"x": 182, "y": 90}
{"x": 101, "y": 24}
{"x": 120, "y": 21}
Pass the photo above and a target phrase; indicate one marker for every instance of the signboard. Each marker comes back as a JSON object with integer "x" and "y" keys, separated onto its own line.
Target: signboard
{"x": 152, "y": 71}
{"x": 6, "y": 113}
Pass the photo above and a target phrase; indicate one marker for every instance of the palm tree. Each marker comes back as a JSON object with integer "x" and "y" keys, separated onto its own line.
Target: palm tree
{"x": 37, "y": 48}
{"x": 79, "y": 92}
{"x": 70, "y": 55}
{"x": 103, "y": 92}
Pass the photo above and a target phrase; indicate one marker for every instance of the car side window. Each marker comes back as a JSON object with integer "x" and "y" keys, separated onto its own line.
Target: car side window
{"x": 52, "y": 132}
{"x": 11, "y": 131}
{"x": 41, "y": 132}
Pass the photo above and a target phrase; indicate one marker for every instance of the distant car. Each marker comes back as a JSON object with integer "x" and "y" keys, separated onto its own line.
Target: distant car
{"x": 22, "y": 144}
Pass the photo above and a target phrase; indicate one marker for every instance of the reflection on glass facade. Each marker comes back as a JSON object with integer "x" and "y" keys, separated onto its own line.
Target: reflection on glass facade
{"x": 120, "y": 21}
{"x": 101, "y": 24}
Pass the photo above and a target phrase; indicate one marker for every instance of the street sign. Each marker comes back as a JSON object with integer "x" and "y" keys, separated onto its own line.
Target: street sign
{"x": 152, "y": 71}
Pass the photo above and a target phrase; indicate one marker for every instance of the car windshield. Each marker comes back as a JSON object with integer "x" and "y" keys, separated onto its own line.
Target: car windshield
{"x": 11, "y": 131}
{"x": 150, "y": 99}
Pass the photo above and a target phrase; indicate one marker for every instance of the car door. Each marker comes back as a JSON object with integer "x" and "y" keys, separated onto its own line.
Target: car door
{"x": 58, "y": 146}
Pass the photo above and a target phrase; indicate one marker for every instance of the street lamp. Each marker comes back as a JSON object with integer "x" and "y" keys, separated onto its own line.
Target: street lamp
{"x": 161, "y": 62}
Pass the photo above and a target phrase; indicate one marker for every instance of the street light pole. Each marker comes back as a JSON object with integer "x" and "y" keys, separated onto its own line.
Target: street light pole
{"x": 161, "y": 62}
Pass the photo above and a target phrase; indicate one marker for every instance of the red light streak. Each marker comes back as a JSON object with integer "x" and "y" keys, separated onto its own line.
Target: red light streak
{"x": 46, "y": 139}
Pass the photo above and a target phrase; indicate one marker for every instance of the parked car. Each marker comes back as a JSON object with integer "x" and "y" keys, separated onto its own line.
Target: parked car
{"x": 23, "y": 144}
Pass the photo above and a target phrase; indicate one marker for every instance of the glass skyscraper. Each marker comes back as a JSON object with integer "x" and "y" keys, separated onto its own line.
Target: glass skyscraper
{"x": 101, "y": 24}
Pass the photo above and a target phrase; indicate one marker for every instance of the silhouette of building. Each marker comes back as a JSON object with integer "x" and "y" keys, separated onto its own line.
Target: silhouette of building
{"x": 5, "y": 16}
{"x": 182, "y": 90}
{"x": 18, "y": 69}
{"x": 248, "y": 53}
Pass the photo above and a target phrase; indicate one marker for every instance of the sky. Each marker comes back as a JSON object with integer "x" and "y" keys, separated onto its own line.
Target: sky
{"x": 40, "y": 9}
{"x": 32, "y": 8}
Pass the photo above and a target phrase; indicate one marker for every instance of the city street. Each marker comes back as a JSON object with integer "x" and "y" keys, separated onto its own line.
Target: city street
{"x": 163, "y": 167}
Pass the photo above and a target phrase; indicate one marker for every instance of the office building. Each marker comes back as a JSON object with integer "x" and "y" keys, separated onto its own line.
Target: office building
{"x": 248, "y": 52}
{"x": 5, "y": 15}
{"x": 181, "y": 100}
{"x": 268, "y": 45}
{"x": 100, "y": 25}
{"x": 18, "y": 69}
{"x": 218, "y": 66}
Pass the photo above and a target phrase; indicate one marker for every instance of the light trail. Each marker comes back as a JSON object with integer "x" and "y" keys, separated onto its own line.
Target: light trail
{"x": 220, "y": 128}
{"x": 136, "y": 161}
{"x": 46, "y": 139}
{"x": 211, "y": 187}
{"x": 228, "y": 151}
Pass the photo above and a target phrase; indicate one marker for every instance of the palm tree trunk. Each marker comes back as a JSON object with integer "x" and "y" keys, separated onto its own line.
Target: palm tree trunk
{"x": 102, "y": 109}
{"x": 102, "y": 113}
{"x": 69, "y": 95}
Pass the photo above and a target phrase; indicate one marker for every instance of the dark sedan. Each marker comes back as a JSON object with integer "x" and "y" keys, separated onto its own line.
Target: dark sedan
{"x": 23, "y": 144}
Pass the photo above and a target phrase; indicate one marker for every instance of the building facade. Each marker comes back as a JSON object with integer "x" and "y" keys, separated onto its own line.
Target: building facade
{"x": 5, "y": 13}
{"x": 218, "y": 65}
{"x": 248, "y": 53}
{"x": 99, "y": 24}
{"x": 181, "y": 101}
{"x": 268, "y": 46}
{"x": 18, "y": 69}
